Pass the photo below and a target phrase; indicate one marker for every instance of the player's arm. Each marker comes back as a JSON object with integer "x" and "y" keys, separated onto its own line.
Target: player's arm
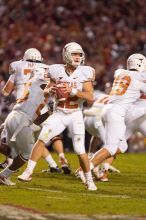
{"x": 50, "y": 88}
{"x": 9, "y": 86}
{"x": 41, "y": 118}
{"x": 9, "y": 98}
{"x": 87, "y": 92}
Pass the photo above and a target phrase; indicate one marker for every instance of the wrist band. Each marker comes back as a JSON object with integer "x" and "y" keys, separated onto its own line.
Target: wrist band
{"x": 73, "y": 92}
{"x": 5, "y": 93}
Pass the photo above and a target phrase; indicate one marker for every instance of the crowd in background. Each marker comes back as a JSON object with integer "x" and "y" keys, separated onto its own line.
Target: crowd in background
{"x": 108, "y": 30}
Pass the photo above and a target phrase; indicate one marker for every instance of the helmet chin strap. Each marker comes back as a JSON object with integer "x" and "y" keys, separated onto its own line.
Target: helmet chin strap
{"x": 34, "y": 61}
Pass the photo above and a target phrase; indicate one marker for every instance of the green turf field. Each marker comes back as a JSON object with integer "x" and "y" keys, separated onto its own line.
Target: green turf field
{"x": 125, "y": 193}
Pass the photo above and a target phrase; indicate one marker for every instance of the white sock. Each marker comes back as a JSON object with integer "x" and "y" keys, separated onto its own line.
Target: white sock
{"x": 91, "y": 166}
{"x": 6, "y": 172}
{"x": 30, "y": 166}
{"x": 61, "y": 155}
{"x": 90, "y": 154}
{"x": 10, "y": 161}
{"x": 50, "y": 161}
{"x": 88, "y": 176}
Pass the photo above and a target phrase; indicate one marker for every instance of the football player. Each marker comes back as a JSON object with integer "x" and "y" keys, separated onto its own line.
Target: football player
{"x": 94, "y": 126}
{"x": 127, "y": 88}
{"x": 76, "y": 80}
{"x": 20, "y": 73}
{"x": 17, "y": 124}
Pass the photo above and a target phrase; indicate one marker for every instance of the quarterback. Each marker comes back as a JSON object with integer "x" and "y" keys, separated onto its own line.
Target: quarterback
{"x": 73, "y": 86}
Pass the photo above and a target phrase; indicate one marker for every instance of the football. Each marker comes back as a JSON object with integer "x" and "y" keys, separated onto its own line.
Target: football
{"x": 61, "y": 95}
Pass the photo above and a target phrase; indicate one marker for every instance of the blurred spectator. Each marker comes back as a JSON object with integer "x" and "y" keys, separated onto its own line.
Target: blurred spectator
{"x": 108, "y": 31}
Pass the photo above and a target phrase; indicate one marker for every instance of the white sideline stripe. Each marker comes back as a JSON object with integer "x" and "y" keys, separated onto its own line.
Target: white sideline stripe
{"x": 83, "y": 194}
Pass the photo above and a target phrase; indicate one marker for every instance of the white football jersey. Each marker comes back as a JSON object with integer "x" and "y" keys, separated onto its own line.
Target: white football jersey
{"x": 20, "y": 72}
{"x": 127, "y": 87}
{"x": 75, "y": 80}
{"x": 32, "y": 101}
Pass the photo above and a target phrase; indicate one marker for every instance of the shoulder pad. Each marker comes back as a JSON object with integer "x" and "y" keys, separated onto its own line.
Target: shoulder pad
{"x": 119, "y": 72}
{"x": 88, "y": 72}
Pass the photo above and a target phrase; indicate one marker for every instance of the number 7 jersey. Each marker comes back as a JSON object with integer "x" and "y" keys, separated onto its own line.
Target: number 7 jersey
{"x": 20, "y": 72}
{"x": 127, "y": 87}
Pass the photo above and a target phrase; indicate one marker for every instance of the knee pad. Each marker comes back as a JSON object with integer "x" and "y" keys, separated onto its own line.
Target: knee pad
{"x": 78, "y": 144}
{"x": 80, "y": 151}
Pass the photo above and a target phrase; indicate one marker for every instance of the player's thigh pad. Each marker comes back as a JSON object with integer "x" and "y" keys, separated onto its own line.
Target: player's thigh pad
{"x": 114, "y": 129}
{"x": 91, "y": 125}
{"x": 53, "y": 126}
{"x": 25, "y": 141}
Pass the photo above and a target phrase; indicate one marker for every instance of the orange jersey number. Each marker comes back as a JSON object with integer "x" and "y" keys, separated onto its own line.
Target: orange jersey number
{"x": 69, "y": 103}
{"x": 27, "y": 71}
{"x": 120, "y": 85}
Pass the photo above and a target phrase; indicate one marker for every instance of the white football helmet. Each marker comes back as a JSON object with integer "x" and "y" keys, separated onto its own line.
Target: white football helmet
{"x": 136, "y": 61}
{"x": 70, "y": 48}
{"x": 40, "y": 71}
{"x": 32, "y": 54}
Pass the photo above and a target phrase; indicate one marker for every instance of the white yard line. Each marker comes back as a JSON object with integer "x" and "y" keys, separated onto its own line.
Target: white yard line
{"x": 43, "y": 190}
{"x": 83, "y": 194}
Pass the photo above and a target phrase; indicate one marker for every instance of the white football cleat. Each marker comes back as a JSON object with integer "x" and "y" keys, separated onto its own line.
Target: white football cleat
{"x": 98, "y": 172}
{"x": 91, "y": 186}
{"x": 25, "y": 177}
{"x": 80, "y": 174}
{"x": 6, "y": 181}
{"x": 104, "y": 179}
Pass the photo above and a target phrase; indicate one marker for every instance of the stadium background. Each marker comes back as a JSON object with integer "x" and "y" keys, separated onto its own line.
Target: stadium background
{"x": 108, "y": 30}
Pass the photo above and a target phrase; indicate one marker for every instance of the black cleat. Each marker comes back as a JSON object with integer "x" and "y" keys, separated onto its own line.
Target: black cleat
{"x": 52, "y": 170}
{"x": 66, "y": 169}
{"x": 55, "y": 170}
{"x": 65, "y": 165}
